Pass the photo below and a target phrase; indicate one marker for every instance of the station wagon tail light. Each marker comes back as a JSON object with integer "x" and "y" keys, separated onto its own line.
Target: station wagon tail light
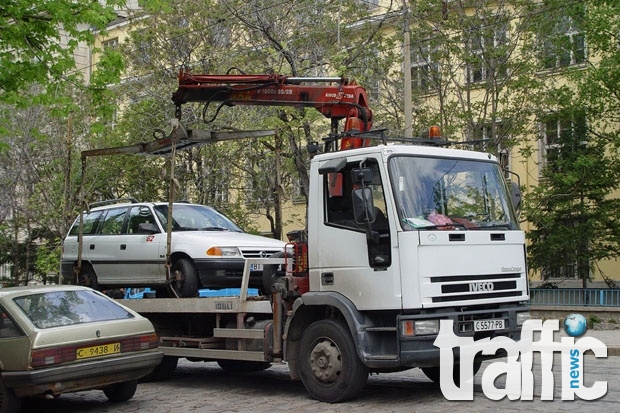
{"x": 56, "y": 355}
{"x": 224, "y": 252}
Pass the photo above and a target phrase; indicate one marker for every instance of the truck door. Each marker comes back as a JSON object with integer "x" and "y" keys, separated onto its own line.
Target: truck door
{"x": 355, "y": 257}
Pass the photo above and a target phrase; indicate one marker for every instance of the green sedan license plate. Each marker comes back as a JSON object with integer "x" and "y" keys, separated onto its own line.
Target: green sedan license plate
{"x": 97, "y": 351}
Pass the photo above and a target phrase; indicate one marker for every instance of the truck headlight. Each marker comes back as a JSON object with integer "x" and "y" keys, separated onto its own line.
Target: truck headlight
{"x": 411, "y": 328}
{"x": 224, "y": 252}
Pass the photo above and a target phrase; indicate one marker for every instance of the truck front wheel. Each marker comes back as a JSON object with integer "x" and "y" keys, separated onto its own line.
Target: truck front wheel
{"x": 329, "y": 366}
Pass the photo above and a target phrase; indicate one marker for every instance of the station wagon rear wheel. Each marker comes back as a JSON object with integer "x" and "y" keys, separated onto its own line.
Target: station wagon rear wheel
{"x": 184, "y": 278}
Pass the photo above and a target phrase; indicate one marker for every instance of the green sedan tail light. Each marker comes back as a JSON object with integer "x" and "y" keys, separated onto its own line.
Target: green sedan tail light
{"x": 140, "y": 343}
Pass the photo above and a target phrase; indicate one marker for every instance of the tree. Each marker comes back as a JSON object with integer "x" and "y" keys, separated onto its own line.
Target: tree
{"x": 472, "y": 73}
{"x": 42, "y": 90}
{"x": 575, "y": 209}
{"x": 255, "y": 37}
{"x": 39, "y": 39}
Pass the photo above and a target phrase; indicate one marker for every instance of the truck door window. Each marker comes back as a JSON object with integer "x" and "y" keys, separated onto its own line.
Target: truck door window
{"x": 339, "y": 210}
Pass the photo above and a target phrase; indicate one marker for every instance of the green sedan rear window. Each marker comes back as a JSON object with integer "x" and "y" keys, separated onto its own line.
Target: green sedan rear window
{"x": 61, "y": 308}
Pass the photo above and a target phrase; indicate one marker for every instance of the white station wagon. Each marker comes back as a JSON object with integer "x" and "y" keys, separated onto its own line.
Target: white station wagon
{"x": 124, "y": 245}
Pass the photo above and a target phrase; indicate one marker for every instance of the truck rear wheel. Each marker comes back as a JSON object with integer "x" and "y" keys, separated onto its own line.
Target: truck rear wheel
{"x": 243, "y": 366}
{"x": 329, "y": 366}
{"x": 164, "y": 370}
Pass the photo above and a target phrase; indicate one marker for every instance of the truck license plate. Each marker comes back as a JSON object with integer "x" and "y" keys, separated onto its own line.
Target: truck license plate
{"x": 256, "y": 267}
{"x": 488, "y": 325}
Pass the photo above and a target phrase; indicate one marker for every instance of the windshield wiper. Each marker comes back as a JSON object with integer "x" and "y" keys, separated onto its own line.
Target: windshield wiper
{"x": 443, "y": 226}
{"x": 214, "y": 229}
{"x": 503, "y": 225}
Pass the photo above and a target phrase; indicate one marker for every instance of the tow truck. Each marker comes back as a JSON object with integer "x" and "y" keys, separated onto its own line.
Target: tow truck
{"x": 399, "y": 236}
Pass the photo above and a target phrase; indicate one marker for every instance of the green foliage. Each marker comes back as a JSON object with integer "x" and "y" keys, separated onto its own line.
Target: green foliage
{"x": 34, "y": 47}
{"x": 47, "y": 262}
{"x": 575, "y": 210}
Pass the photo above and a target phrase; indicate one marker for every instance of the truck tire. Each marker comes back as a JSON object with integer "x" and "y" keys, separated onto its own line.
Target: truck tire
{"x": 187, "y": 285}
{"x": 121, "y": 392}
{"x": 243, "y": 366}
{"x": 328, "y": 363}
{"x": 88, "y": 278}
{"x": 164, "y": 370}
{"x": 9, "y": 402}
{"x": 433, "y": 372}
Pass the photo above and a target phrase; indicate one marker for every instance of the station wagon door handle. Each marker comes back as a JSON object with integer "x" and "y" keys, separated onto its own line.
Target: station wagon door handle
{"x": 91, "y": 247}
{"x": 123, "y": 247}
{"x": 327, "y": 278}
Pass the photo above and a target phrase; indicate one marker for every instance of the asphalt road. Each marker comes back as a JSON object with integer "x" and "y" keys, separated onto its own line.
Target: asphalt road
{"x": 204, "y": 387}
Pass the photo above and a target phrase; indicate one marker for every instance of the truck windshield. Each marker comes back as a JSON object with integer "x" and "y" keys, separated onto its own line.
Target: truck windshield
{"x": 445, "y": 193}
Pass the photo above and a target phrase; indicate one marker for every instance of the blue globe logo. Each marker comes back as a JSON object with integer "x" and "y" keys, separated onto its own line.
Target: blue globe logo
{"x": 575, "y": 325}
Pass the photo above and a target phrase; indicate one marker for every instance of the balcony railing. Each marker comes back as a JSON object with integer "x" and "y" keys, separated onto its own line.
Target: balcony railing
{"x": 593, "y": 297}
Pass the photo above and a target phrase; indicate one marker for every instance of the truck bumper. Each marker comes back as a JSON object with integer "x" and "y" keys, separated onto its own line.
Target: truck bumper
{"x": 420, "y": 351}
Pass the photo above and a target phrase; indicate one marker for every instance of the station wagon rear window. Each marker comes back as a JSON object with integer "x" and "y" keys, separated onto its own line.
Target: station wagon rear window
{"x": 61, "y": 308}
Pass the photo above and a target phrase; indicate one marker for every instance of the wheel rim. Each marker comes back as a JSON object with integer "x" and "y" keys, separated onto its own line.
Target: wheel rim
{"x": 178, "y": 278}
{"x": 326, "y": 361}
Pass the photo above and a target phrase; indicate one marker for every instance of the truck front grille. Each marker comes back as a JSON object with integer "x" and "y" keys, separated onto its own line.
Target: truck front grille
{"x": 475, "y": 287}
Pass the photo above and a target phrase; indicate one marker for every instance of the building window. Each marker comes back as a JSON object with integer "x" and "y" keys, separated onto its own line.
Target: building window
{"x": 568, "y": 270}
{"x": 110, "y": 43}
{"x": 489, "y": 139}
{"x": 565, "y": 46}
{"x": 423, "y": 68}
{"x": 487, "y": 52}
{"x": 560, "y": 135}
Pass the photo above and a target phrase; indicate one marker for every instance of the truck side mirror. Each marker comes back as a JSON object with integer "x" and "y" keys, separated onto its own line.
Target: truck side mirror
{"x": 361, "y": 176}
{"x": 363, "y": 206}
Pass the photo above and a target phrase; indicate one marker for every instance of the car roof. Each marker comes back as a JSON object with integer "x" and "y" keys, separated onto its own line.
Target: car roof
{"x": 146, "y": 203}
{"x": 37, "y": 289}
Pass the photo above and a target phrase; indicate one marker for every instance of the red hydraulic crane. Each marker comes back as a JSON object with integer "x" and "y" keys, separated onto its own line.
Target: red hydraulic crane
{"x": 336, "y": 98}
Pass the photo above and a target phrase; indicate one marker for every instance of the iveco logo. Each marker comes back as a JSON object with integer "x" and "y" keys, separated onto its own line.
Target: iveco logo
{"x": 264, "y": 254}
{"x": 481, "y": 286}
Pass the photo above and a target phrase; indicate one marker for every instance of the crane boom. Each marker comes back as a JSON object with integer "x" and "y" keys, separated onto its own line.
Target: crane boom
{"x": 336, "y": 98}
